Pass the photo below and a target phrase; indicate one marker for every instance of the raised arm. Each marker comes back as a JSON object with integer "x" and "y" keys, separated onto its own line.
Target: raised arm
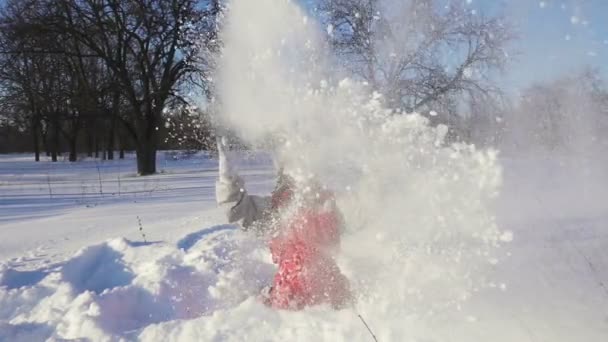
{"x": 231, "y": 194}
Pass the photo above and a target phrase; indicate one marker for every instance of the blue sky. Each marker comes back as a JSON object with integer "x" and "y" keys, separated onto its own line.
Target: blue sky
{"x": 555, "y": 36}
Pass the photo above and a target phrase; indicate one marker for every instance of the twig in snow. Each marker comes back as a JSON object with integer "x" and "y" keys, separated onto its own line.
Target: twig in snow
{"x": 368, "y": 328}
{"x": 141, "y": 229}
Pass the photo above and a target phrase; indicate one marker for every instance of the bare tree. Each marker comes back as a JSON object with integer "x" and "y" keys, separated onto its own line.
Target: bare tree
{"x": 567, "y": 114}
{"x": 24, "y": 73}
{"x": 142, "y": 44}
{"x": 421, "y": 54}
{"x": 123, "y": 61}
{"x": 190, "y": 127}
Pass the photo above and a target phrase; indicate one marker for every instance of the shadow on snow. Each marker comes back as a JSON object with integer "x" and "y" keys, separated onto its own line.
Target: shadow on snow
{"x": 191, "y": 239}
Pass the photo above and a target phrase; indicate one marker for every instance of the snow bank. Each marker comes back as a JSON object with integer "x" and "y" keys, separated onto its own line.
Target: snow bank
{"x": 203, "y": 288}
{"x": 202, "y": 284}
{"x": 115, "y": 289}
{"x": 420, "y": 246}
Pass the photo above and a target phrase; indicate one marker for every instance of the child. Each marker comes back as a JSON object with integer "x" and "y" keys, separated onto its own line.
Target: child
{"x": 305, "y": 226}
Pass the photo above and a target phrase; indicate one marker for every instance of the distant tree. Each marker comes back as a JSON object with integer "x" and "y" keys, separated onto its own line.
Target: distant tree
{"x": 483, "y": 121}
{"x": 52, "y": 89}
{"x": 423, "y": 55}
{"x": 123, "y": 61}
{"x": 567, "y": 114}
{"x": 146, "y": 45}
{"x": 24, "y": 72}
{"x": 190, "y": 127}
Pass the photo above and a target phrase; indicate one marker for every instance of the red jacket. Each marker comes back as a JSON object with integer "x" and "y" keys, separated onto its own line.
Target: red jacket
{"x": 307, "y": 274}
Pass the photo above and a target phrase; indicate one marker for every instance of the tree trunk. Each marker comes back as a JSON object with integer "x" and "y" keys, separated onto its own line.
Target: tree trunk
{"x": 55, "y": 142}
{"x": 110, "y": 147}
{"x": 111, "y": 130}
{"x": 35, "y": 142}
{"x": 146, "y": 159}
{"x": 146, "y": 141}
{"x": 90, "y": 141}
{"x": 96, "y": 148}
{"x": 45, "y": 141}
{"x": 36, "y": 148}
{"x": 121, "y": 144}
{"x": 110, "y": 153}
{"x": 73, "y": 153}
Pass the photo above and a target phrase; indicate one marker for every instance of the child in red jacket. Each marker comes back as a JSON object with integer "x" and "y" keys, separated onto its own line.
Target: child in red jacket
{"x": 306, "y": 228}
{"x": 308, "y": 232}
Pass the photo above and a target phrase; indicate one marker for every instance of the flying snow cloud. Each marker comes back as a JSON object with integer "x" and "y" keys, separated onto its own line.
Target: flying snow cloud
{"x": 419, "y": 230}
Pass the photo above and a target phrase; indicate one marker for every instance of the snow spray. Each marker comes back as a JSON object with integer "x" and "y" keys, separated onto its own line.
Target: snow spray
{"x": 419, "y": 230}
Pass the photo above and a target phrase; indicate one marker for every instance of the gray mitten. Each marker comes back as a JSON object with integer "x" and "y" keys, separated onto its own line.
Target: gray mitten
{"x": 226, "y": 172}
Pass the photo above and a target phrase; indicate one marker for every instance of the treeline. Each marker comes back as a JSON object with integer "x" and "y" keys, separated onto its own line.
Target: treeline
{"x": 568, "y": 114}
{"x": 438, "y": 58}
{"x": 97, "y": 76}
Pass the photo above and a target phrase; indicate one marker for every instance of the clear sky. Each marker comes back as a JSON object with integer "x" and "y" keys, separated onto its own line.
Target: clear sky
{"x": 555, "y": 36}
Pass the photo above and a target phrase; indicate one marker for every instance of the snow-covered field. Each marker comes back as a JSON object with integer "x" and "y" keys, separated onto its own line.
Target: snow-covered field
{"x": 75, "y": 265}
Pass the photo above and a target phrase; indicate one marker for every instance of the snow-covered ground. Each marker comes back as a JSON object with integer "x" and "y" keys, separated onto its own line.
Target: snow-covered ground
{"x": 52, "y": 209}
{"x": 75, "y": 265}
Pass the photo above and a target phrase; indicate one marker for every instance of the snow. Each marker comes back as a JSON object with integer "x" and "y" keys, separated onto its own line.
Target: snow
{"x": 575, "y": 20}
{"x": 441, "y": 242}
{"x": 198, "y": 279}
{"x": 392, "y": 174}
